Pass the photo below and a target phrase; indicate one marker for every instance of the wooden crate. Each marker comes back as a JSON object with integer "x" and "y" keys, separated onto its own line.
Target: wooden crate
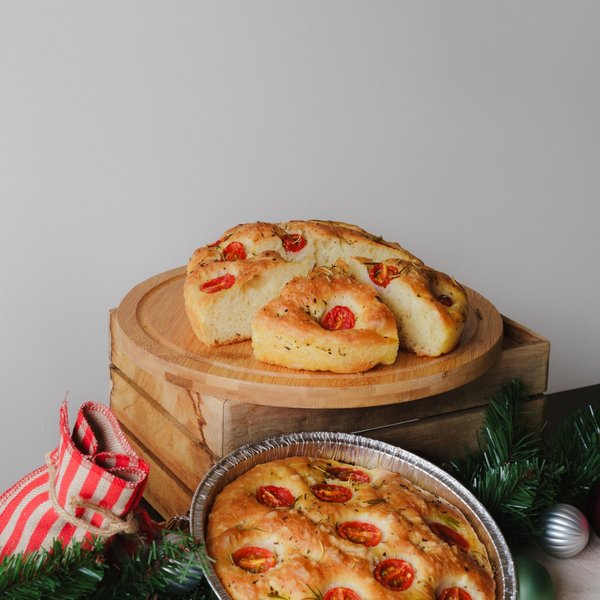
{"x": 182, "y": 430}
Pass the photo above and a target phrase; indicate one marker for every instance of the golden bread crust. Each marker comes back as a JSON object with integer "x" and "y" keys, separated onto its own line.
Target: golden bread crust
{"x": 254, "y": 237}
{"x": 430, "y": 307}
{"x": 311, "y": 553}
{"x": 289, "y": 330}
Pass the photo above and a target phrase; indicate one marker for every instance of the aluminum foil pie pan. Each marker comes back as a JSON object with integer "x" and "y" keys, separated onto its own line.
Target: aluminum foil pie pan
{"x": 367, "y": 453}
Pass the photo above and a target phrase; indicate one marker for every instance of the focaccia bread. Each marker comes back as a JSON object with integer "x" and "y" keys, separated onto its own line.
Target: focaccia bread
{"x": 222, "y": 297}
{"x": 229, "y": 281}
{"x": 430, "y": 307}
{"x": 327, "y": 321}
{"x": 301, "y": 528}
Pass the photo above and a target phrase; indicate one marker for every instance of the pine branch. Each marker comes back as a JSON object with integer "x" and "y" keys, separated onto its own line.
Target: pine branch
{"x": 152, "y": 568}
{"x": 507, "y": 473}
{"x": 59, "y": 573}
{"x": 575, "y": 446}
{"x": 79, "y": 572}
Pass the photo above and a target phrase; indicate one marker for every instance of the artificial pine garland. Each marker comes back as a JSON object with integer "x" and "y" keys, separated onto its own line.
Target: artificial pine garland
{"x": 516, "y": 476}
{"x": 573, "y": 452}
{"x": 84, "y": 572}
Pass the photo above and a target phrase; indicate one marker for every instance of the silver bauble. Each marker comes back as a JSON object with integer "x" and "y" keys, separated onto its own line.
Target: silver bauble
{"x": 565, "y": 530}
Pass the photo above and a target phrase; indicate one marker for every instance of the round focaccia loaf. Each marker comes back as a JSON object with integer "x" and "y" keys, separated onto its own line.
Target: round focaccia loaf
{"x": 222, "y": 297}
{"x": 327, "y": 321}
{"x": 302, "y": 527}
{"x": 430, "y": 307}
{"x": 222, "y": 314}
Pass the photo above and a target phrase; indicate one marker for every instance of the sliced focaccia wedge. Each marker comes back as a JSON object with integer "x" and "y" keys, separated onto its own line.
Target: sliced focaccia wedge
{"x": 430, "y": 307}
{"x": 327, "y": 321}
{"x": 222, "y": 297}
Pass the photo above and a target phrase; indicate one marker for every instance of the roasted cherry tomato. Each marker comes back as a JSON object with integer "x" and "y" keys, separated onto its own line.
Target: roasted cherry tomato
{"x": 381, "y": 274}
{"x": 348, "y": 474}
{"x": 449, "y": 535}
{"x": 358, "y": 532}
{"x": 254, "y": 559}
{"x": 454, "y": 593}
{"x": 341, "y": 593}
{"x": 394, "y": 574}
{"x": 331, "y": 493}
{"x": 339, "y": 317}
{"x": 234, "y": 251}
{"x": 445, "y": 300}
{"x": 218, "y": 283}
{"x": 275, "y": 497}
{"x": 293, "y": 243}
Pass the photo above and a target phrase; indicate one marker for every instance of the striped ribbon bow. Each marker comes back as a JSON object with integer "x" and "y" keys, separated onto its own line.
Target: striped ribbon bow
{"x": 88, "y": 487}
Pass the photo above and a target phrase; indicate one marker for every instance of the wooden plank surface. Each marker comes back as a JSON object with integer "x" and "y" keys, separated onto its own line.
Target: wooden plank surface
{"x": 201, "y": 416}
{"x": 445, "y": 437}
{"x": 574, "y": 578}
{"x": 178, "y": 449}
{"x": 165, "y": 492}
{"x": 222, "y": 425}
{"x": 524, "y": 357}
{"x": 428, "y": 437}
{"x": 153, "y": 330}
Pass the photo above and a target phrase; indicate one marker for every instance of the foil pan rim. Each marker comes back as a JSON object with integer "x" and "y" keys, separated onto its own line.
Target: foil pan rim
{"x": 370, "y": 454}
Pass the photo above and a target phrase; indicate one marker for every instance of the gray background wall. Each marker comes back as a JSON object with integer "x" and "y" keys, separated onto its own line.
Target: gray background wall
{"x": 132, "y": 132}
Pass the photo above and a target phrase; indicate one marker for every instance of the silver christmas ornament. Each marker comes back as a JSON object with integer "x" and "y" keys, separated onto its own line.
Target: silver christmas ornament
{"x": 565, "y": 530}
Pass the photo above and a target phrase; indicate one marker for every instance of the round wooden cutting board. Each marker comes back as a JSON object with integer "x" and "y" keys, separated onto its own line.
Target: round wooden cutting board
{"x": 153, "y": 331}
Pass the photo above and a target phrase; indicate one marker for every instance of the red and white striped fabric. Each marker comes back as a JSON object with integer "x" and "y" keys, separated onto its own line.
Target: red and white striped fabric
{"x": 89, "y": 487}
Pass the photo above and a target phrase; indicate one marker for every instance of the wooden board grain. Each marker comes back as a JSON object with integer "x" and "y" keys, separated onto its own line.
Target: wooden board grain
{"x": 152, "y": 328}
{"x": 171, "y": 487}
{"x": 221, "y": 425}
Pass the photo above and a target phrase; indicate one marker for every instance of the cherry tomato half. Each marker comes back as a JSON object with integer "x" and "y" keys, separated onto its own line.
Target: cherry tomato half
{"x": 275, "y": 497}
{"x": 331, "y": 493}
{"x": 394, "y": 574}
{"x": 339, "y": 317}
{"x": 341, "y": 593}
{"x": 359, "y": 532}
{"x": 254, "y": 559}
{"x": 381, "y": 274}
{"x": 293, "y": 243}
{"x": 348, "y": 474}
{"x": 234, "y": 251}
{"x": 449, "y": 535}
{"x": 218, "y": 283}
{"x": 454, "y": 593}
